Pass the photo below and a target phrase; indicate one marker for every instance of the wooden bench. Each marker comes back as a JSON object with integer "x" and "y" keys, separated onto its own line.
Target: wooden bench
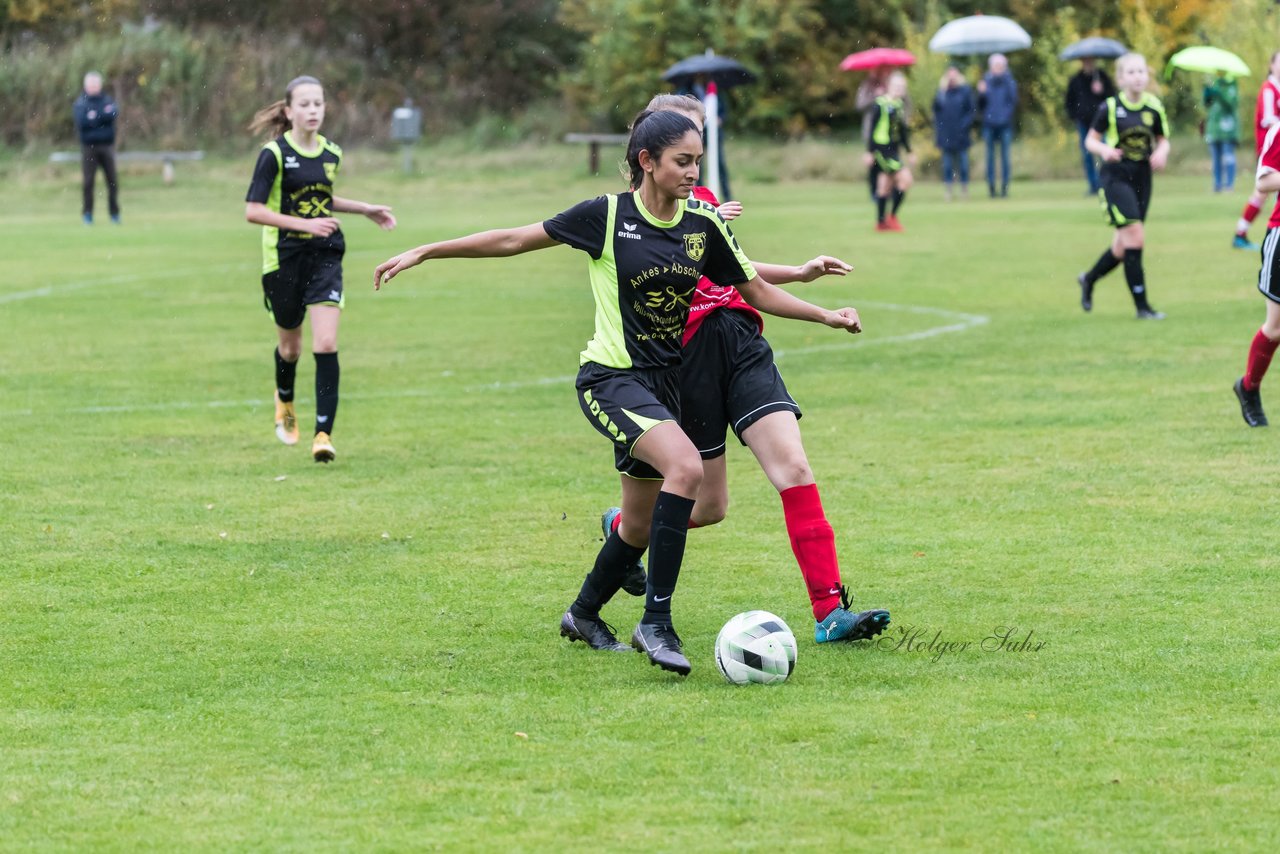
{"x": 167, "y": 158}
{"x": 594, "y": 141}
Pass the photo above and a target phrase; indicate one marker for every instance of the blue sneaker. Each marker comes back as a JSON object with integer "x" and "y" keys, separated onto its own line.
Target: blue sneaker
{"x": 115, "y": 218}
{"x": 635, "y": 579}
{"x": 844, "y": 625}
{"x": 1242, "y": 242}
{"x": 88, "y": 218}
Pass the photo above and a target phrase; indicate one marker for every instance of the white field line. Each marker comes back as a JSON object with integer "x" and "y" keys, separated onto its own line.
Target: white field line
{"x": 962, "y": 322}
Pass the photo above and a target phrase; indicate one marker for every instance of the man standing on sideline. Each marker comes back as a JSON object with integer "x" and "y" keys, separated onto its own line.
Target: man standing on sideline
{"x": 997, "y": 99}
{"x": 1086, "y": 91}
{"x": 95, "y": 116}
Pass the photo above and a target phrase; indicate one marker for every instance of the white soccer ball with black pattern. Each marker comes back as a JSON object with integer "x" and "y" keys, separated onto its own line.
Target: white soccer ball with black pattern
{"x": 756, "y": 647}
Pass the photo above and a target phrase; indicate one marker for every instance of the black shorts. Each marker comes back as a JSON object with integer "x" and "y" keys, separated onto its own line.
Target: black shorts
{"x": 728, "y": 381}
{"x": 306, "y": 277}
{"x": 624, "y": 404}
{"x": 887, "y": 157}
{"x": 1269, "y": 275}
{"x": 1125, "y": 195}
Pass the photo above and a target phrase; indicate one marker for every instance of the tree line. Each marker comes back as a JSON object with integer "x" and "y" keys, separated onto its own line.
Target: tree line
{"x": 199, "y": 68}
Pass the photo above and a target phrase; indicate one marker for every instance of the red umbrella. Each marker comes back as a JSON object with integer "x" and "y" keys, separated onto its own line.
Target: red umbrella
{"x": 865, "y": 60}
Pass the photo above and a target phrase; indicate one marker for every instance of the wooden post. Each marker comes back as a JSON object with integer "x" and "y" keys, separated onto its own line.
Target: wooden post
{"x": 595, "y": 157}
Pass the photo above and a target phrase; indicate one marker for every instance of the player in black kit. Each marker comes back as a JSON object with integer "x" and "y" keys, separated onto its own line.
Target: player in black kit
{"x": 291, "y": 197}
{"x": 648, "y": 249}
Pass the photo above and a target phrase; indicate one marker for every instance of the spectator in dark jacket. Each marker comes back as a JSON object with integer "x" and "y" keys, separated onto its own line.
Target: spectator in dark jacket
{"x": 95, "y": 116}
{"x": 997, "y": 99}
{"x": 953, "y": 110}
{"x": 1088, "y": 89}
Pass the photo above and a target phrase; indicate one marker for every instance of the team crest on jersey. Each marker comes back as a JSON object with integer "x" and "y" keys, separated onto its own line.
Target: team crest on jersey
{"x": 695, "y": 245}
{"x": 330, "y": 170}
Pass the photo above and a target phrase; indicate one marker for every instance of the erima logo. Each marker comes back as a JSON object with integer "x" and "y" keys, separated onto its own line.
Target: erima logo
{"x": 290, "y": 162}
{"x": 629, "y": 227}
{"x": 322, "y": 418}
{"x": 1120, "y": 113}
{"x": 628, "y": 232}
{"x": 334, "y": 295}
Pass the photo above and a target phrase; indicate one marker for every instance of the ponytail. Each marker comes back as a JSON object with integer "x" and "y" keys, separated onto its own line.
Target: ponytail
{"x": 273, "y": 118}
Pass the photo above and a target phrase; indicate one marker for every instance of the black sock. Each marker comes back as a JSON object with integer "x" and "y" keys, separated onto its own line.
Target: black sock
{"x": 880, "y": 203}
{"x": 666, "y": 551}
{"x": 1134, "y": 278}
{"x": 605, "y": 578}
{"x": 1105, "y": 264}
{"x": 326, "y": 391}
{"x": 285, "y": 373}
{"x": 898, "y": 196}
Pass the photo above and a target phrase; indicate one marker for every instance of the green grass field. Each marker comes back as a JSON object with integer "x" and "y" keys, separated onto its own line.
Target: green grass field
{"x": 207, "y": 641}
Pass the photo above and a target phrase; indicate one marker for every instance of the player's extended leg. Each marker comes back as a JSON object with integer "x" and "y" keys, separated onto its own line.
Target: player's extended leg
{"x": 902, "y": 181}
{"x": 324, "y": 345}
{"x": 288, "y": 348}
{"x": 1129, "y": 240}
{"x": 775, "y": 441}
{"x": 1261, "y": 349}
{"x": 1250, "y": 213}
{"x": 884, "y": 185}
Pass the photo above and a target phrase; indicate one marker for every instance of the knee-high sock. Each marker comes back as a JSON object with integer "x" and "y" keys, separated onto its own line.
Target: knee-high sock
{"x": 814, "y": 545}
{"x": 898, "y": 196}
{"x": 1246, "y": 218}
{"x": 881, "y": 201}
{"x": 605, "y": 578}
{"x": 1260, "y": 353}
{"x": 285, "y": 374}
{"x": 326, "y": 391}
{"x": 666, "y": 552}
{"x": 1105, "y": 264}
{"x": 1135, "y": 279}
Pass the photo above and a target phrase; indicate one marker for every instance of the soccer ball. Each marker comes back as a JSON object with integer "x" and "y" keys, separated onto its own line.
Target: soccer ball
{"x": 756, "y": 647}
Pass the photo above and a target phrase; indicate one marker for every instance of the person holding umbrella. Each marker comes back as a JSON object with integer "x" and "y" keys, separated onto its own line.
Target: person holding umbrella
{"x": 1131, "y": 136}
{"x": 953, "y": 111}
{"x": 1088, "y": 89}
{"x": 1221, "y": 129}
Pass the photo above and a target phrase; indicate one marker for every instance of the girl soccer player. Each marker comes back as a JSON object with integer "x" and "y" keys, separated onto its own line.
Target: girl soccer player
{"x": 728, "y": 379}
{"x": 889, "y": 137}
{"x": 1130, "y": 135}
{"x": 291, "y": 197}
{"x": 648, "y": 250}
{"x": 1263, "y": 346}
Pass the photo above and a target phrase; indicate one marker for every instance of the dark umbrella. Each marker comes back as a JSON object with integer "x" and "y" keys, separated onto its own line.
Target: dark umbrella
{"x": 726, "y": 72}
{"x": 1094, "y": 48}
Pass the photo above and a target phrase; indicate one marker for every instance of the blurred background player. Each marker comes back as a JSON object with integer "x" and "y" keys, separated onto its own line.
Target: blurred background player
{"x": 1264, "y": 343}
{"x": 1130, "y": 135}
{"x": 1265, "y": 118}
{"x": 291, "y": 197}
{"x": 889, "y": 138}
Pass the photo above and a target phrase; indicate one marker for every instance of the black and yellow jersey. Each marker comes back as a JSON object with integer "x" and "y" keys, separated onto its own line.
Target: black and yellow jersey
{"x": 295, "y": 183}
{"x": 1133, "y": 128}
{"x": 888, "y": 124}
{"x": 644, "y": 272}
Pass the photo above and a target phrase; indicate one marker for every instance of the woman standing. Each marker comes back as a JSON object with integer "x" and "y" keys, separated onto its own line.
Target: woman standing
{"x": 1130, "y": 135}
{"x": 1222, "y": 129}
{"x": 648, "y": 249}
{"x": 953, "y": 110}
{"x": 291, "y": 197}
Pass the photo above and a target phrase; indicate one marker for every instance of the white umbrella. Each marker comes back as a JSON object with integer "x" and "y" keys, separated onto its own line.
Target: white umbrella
{"x": 979, "y": 34}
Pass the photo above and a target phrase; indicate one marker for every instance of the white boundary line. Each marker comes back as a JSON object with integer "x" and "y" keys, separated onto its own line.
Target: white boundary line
{"x": 962, "y": 322}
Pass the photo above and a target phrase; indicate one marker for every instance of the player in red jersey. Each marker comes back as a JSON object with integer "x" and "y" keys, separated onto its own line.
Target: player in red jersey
{"x": 1264, "y": 343}
{"x": 1266, "y": 117}
{"x": 729, "y": 381}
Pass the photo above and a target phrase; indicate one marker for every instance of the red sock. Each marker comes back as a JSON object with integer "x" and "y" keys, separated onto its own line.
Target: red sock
{"x": 1260, "y": 352}
{"x": 814, "y": 545}
{"x": 1249, "y": 215}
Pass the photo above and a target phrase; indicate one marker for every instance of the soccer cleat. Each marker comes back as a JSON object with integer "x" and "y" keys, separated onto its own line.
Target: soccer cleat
{"x": 634, "y": 581}
{"x": 844, "y": 625}
{"x": 883, "y": 226}
{"x": 662, "y": 645}
{"x": 595, "y": 633}
{"x": 88, "y": 218}
{"x": 286, "y": 422}
{"x": 1086, "y": 291}
{"x": 1150, "y": 313}
{"x": 1250, "y": 404}
{"x": 1241, "y": 241}
{"x": 893, "y": 223}
{"x": 322, "y": 448}
{"x": 115, "y": 218}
